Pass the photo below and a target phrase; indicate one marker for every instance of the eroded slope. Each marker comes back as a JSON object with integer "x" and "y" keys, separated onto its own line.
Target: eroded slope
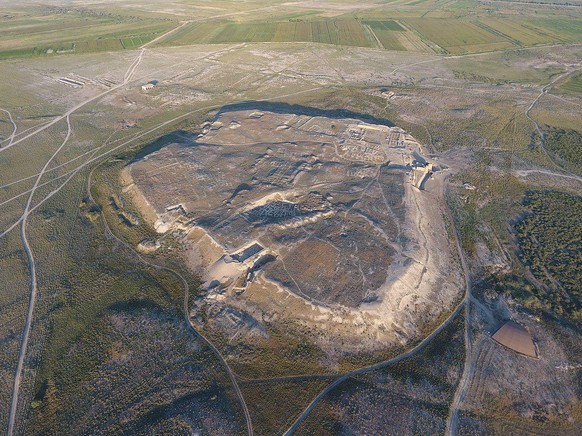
{"x": 309, "y": 218}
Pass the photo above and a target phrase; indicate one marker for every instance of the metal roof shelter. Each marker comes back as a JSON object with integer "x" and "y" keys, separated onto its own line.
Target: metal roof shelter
{"x": 516, "y": 337}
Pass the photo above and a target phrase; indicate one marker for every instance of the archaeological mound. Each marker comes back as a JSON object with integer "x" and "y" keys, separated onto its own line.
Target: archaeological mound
{"x": 328, "y": 213}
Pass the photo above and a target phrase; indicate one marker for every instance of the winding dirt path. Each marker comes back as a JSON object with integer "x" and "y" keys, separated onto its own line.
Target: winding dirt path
{"x": 45, "y": 126}
{"x": 469, "y": 369}
{"x": 33, "y": 286}
{"x": 543, "y": 92}
{"x": 366, "y": 369}
{"x": 463, "y": 304}
{"x": 523, "y": 173}
{"x": 186, "y": 309}
{"x": 25, "y": 243}
{"x": 10, "y": 139}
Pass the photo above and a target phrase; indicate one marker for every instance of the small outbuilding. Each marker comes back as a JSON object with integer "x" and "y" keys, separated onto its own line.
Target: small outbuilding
{"x": 517, "y": 338}
{"x": 149, "y": 85}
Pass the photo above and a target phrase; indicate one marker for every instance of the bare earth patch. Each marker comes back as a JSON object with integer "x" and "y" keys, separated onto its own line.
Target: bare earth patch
{"x": 305, "y": 218}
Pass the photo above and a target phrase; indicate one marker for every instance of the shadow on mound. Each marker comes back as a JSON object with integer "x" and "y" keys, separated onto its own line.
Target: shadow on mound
{"x": 189, "y": 137}
{"x": 296, "y": 109}
{"x": 192, "y": 411}
{"x": 134, "y": 305}
{"x": 177, "y": 136}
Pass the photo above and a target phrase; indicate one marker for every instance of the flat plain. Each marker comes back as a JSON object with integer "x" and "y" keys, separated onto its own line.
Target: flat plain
{"x": 318, "y": 206}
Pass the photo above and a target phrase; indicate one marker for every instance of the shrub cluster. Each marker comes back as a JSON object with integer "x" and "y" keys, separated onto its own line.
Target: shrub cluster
{"x": 550, "y": 242}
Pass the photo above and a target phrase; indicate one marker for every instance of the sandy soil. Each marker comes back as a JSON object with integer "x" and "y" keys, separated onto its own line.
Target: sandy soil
{"x": 422, "y": 280}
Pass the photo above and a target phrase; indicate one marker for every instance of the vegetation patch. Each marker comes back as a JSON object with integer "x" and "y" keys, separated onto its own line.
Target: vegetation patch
{"x": 75, "y": 31}
{"x": 572, "y": 85}
{"x": 387, "y": 33}
{"x": 274, "y": 406}
{"x": 565, "y": 143}
{"x": 456, "y": 36}
{"x": 564, "y": 29}
{"x": 339, "y": 32}
{"x": 550, "y": 242}
{"x": 409, "y": 397}
{"x": 519, "y": 32}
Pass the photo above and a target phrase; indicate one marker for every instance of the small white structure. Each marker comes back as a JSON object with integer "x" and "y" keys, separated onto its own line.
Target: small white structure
{"x": 147, "y": 86}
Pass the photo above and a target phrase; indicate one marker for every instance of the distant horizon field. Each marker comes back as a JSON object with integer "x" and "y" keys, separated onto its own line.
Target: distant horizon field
{"x": 451, "y": 35}
{"x": 420, "y": 27}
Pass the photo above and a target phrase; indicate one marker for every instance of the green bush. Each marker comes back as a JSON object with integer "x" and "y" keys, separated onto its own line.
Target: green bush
{"x": 565, "y": 143}
{"x": 550, "y": 243}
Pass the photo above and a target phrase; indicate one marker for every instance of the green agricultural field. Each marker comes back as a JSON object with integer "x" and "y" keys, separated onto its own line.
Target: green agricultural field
{"x": 425, "y": 34}
{"x": 75, "y": 32}
{"x": 458, "y": 37}
{"x": 337, "y": 32}
{"x": 294, "y": 31}
{"x": 253, "y": 32}
{"x": 573, "y": 85}
{"x": 347, "y": 32}
{"x": 350, "y": 32}
{"x": 387, "y": 33}
{"x": 51, "y": 30}
{"x": 529, "y": 32}
{"x": 324, "y": 32}
{"x": 518, "y": 31}
{"x": 195, "y": 33}
{"x": 567, "y": 30}
{"x": 386, "y": 25}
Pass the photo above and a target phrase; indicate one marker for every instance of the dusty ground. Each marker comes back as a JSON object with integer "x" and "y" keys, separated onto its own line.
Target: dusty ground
{"x": 474, "y": 101}
{"x": 518, "y": 393}
{"x": 347, "y": 246}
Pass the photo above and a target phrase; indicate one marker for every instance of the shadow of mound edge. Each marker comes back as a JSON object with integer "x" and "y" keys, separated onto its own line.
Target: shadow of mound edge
{"x": 257, "y": 105}
{"x": 296, "y": 109}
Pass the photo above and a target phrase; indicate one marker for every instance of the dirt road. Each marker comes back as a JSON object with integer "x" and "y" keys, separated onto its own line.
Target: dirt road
{"x": 186, "y": 309}
{"x": 10, "y": 139}
{"x": 543, "y": 92}
{"x": 463, "y": 304}
{"x": 468, "y": 369}
{"x": 33, "y": 285}
{"x": 379, "y": 365}
{"x": 25, "y": 243}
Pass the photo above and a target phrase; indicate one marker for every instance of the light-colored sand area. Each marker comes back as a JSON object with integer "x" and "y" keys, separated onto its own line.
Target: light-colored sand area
{"x": 422, "y": 280}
